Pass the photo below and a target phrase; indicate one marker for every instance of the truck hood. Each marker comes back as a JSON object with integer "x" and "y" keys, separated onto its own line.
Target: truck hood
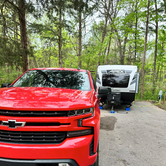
{"x": 36, "y": 98}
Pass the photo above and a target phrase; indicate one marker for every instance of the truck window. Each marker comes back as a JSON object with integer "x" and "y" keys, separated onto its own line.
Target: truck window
{"x": 54, "y": 79}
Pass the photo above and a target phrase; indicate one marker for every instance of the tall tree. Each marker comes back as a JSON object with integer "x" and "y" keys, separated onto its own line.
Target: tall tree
{"x": 136, "y": 28}
{"x": 144, "y": 55}
{"x": 104, "y": 8}
{"x": 156, "y": 44}
{"x": 21, "y": 11}
{"x": 24, "y": 38}
{"x": 56, "y": 11}
{"x": 82, "y": 8}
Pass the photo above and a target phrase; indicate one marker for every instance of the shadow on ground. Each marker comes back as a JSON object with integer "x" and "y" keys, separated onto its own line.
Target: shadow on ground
{"x": 115, "y": 107}
{"x": 107, "y": 123}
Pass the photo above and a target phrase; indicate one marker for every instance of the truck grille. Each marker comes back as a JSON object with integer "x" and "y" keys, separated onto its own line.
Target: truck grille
{"x": 17, "y": 113}
{"x": 32, "y": 137}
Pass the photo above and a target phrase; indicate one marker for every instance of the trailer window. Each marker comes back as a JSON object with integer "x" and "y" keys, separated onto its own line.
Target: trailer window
{"x": 115, "y": 80}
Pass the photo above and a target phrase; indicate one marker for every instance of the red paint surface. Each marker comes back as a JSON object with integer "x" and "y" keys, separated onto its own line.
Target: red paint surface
{"x": 72, "y": 148}
{"x": 49, "y": 99}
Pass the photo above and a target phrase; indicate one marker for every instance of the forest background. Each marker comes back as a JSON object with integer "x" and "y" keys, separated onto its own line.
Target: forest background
{"x": 84, "y": 33}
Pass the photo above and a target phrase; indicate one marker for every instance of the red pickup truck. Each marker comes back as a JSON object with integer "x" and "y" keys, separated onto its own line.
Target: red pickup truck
{"x": 50, "y": 116}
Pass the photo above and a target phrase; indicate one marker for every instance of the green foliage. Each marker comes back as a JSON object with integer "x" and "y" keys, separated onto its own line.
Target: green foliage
{"x": 125, "y": 32}
{"x": 8, "y": 74}
{"x": 148, "y": 95}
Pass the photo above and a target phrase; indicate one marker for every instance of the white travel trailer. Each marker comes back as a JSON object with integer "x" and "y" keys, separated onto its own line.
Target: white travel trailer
{"x": 123, "y": 80}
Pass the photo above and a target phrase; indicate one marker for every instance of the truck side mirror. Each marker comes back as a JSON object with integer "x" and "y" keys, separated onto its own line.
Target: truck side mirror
{"x": 5, "y": 85}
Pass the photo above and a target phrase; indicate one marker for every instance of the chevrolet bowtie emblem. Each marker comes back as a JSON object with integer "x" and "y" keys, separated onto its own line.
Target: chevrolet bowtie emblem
{"x": 12, "y": 124}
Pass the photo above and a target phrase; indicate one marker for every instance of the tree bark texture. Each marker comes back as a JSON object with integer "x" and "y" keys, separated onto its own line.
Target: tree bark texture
{"x": 108, "y": 51}
{"x": 106, "y": 13}
{"x": 155, "y": 52}
{"x": 23, "y": 31}
{"x": 80, "y": 35}
{"x": 103, "y": 36}
{"x": 144, "y": 55}
{"x": 60, "y": 37}
{"x": 129, "y": 56}
{"x": 124, "y": 46}
{"x": 136, "y": 27}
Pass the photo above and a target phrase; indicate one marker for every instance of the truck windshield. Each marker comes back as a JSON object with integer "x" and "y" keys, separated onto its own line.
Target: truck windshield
{"x": 115, "y": 80}
{"x": 54, "y": 79}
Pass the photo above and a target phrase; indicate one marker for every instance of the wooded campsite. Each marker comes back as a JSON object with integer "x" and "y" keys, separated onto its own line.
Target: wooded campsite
{"x": 85, "y": 34}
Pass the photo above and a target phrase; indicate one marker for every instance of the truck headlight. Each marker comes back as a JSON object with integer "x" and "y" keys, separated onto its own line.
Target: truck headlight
{"x": 81, "y": 112}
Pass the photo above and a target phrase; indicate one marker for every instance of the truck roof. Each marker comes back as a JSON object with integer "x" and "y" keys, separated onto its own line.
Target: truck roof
{"x": 67, "y": 69}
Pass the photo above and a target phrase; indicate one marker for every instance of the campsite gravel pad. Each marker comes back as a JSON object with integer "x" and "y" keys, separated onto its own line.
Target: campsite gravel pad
{"x": 136, "y": 138}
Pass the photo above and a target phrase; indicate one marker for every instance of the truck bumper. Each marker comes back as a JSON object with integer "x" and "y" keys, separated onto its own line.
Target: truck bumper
{"x": 9, "y": 162}
{"x": 74, "y": 151}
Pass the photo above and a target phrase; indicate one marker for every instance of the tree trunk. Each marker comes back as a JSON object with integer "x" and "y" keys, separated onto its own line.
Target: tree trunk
{"x": 129, "y": 56}
{"x": 49, "y": 59}
{"x": 155, "y": 53}
{"x": 144, "y": 55}
{"x": 115, "y": 60}
{"x": 4, "y": 32}
{"x": 103, "y": 36}
{"x": 161, "y": 69}
{"x": 108, "y": 51}
{"x": 124, "y": 47}
{"x": 118, "y": 39}
{"x": 136, "y": 26}
{"x": 16, "y": 37}
{"x": 120, "y": 52}
{"x": 104, "y": 55}
{"x": 60, "y": 37}
{"x": 80, "y": 35}
{"x": 23, "y": 31}
{"x": 157, "y": 74}
{"x": 106, "y": 10}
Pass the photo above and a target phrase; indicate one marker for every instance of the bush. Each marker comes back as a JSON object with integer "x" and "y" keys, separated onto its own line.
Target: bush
{"x": 148, "y": 95}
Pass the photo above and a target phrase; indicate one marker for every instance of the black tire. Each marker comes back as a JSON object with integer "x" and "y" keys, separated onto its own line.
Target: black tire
{"x": 97, "y": 159}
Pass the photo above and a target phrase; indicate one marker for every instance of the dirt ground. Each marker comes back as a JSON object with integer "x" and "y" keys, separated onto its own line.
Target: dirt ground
{"x": 133, "y": 138}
